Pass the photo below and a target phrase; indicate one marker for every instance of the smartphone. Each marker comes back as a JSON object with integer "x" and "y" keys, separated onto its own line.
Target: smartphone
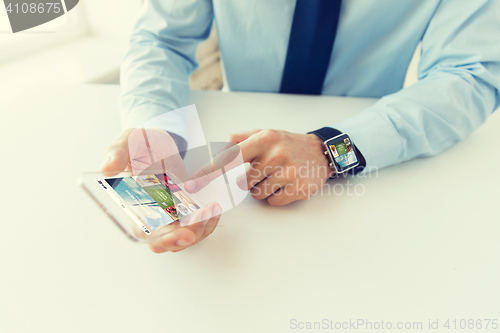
{"x": 144, "y": 207}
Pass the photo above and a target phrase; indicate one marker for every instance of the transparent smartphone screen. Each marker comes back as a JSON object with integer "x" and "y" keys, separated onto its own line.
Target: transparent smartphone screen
{"x": 151, "y": 201}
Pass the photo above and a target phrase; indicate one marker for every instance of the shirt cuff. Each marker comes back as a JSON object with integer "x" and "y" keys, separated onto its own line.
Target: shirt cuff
{"x": 375, "y": 136}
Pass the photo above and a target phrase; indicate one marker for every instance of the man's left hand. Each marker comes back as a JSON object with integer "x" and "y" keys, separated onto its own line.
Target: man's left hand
{"x": 285, "y": 166}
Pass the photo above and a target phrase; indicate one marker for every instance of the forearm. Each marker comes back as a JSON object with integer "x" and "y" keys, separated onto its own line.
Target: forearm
{"x": 161, "y": 56}
{"x": 421, "y": 120}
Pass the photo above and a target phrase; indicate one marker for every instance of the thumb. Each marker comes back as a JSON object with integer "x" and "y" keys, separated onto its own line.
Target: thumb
{"x": 242, "y": 136}
{"x": 115, "y": 161}
{"x": 116, "y": 157}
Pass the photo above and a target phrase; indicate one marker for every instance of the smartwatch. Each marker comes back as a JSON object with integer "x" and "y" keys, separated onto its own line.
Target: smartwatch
{"x": 342, "y": 154}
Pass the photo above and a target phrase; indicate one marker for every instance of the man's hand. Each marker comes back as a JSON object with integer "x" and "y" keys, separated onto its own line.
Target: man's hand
{"x": 285, "y": 166}
{"x": 140, "y": 149}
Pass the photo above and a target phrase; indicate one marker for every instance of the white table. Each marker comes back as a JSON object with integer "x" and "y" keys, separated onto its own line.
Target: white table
{"x": 421, "y": 243}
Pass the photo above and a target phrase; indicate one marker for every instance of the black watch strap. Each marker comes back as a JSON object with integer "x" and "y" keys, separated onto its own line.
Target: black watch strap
{"x": 326, "y": 133}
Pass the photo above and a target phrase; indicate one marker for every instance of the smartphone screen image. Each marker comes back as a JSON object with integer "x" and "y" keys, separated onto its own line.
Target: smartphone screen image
{"x": 152, "y": 201}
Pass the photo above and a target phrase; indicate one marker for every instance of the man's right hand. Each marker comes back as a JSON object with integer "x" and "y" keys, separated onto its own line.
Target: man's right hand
{"x": 139, "y": 149}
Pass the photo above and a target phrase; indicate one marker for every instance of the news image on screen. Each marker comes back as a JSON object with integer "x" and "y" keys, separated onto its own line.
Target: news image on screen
{"x": 343, "y": 153}
{"x": 155, "y": 199}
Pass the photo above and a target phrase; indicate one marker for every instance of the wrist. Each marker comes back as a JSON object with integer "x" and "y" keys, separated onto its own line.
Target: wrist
{"x": 319, "y": 149}
{"x": 316, "y": 143}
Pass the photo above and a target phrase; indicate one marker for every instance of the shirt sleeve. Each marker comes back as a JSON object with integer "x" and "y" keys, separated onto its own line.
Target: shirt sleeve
{"x": 161, "y": 56}
{"x": 458, "y": 88}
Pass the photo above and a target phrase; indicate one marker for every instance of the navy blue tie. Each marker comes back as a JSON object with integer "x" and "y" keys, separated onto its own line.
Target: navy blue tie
{"x": 310, "y": 47}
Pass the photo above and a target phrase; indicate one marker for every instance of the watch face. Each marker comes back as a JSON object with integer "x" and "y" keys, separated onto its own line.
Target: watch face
{"x": 343, "y": 154}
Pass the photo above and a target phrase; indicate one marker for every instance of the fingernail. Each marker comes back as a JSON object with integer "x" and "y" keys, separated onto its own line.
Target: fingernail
{"x": 183, "y": 242}
{"x": 190, "y": 186}
{"x": 216, "y": 210}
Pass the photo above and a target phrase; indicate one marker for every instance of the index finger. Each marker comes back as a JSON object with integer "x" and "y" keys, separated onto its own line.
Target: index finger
{"x": 222, "y": 162}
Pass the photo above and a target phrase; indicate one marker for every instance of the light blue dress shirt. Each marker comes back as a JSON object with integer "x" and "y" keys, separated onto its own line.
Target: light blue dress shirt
{"x": 459, "y": 71}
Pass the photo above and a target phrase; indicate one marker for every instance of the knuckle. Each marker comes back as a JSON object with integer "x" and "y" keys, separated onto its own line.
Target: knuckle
{"x": 277, "y": 160}
{"x": 270, "y": 135}
{"x": 281, "y": 152}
